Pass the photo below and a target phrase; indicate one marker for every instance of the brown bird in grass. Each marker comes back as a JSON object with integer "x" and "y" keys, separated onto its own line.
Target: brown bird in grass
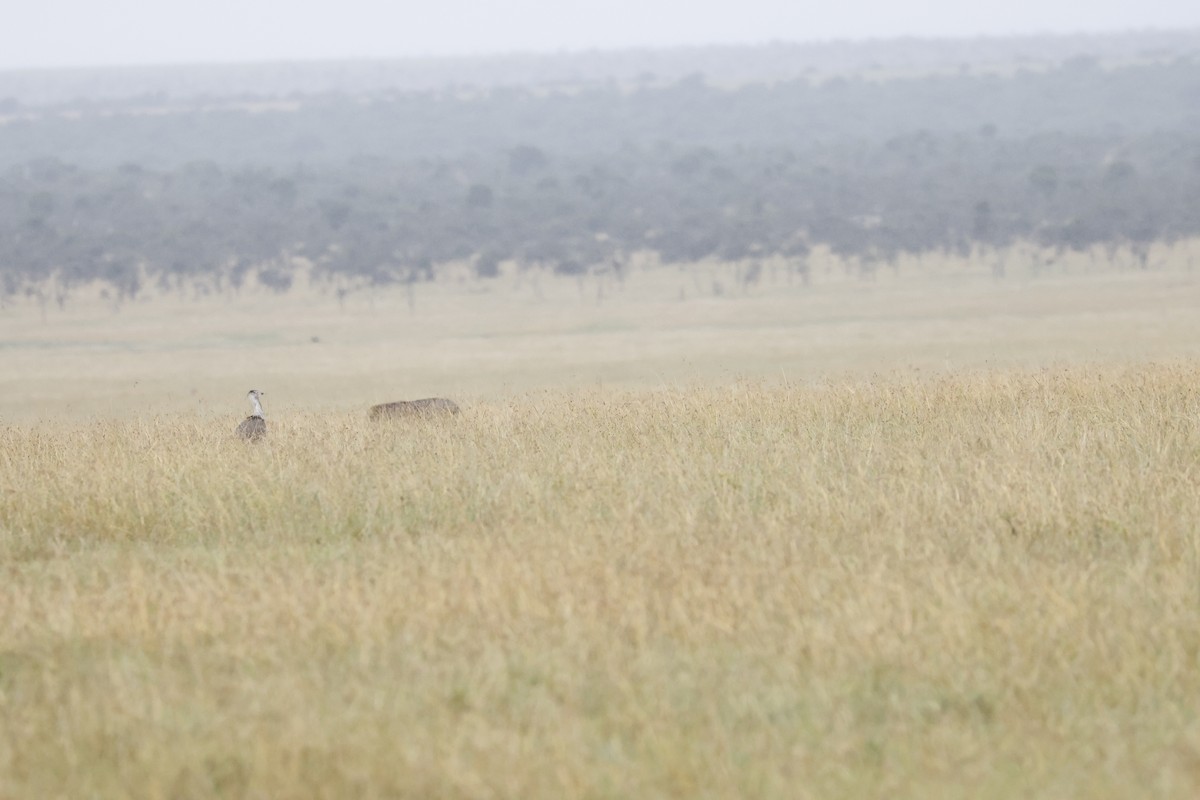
{"x": 428, "y": 407}
{"x": 253, "y": 428}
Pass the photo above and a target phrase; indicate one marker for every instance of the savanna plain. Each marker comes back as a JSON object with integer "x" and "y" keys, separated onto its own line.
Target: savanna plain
{"x": 931, "y": 534}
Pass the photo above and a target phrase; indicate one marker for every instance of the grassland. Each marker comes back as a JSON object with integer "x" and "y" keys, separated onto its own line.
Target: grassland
{"x": 973, "y": 580}
{"x": 660, "y": 328}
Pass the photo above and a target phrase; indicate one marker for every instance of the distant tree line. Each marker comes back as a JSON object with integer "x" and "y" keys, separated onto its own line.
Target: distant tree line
{"x": 871, "y": 170}
{"x": 1079, "y": 98}
{"x": 387, "y": 221}
{"x": 132, "y": 87}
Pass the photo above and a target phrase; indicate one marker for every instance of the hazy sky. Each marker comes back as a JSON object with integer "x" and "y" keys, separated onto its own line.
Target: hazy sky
{"x": 91, "y": 32}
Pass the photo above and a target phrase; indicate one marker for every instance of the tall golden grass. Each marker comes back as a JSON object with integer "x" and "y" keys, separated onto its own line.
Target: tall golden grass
{"x": 978, "y": 585}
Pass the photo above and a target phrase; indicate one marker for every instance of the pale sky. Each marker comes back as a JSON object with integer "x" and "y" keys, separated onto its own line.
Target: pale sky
{"x": 109, "y": 32}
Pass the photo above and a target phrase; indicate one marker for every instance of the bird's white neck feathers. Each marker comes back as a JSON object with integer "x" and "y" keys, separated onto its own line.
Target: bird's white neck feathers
{"x": 253, "y": 398}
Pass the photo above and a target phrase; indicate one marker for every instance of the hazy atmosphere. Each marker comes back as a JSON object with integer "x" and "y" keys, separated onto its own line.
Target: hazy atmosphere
{"x": 82, "y": 33}
{"x": 622, "y": 400}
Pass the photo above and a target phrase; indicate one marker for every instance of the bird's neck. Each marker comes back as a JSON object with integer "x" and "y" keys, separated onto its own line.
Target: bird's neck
{"x": 258, "y": 412}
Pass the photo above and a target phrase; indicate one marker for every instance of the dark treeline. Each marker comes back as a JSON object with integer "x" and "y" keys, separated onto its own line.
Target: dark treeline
{"x": 1079, "y": 97}
{"x": 385, "y": 188}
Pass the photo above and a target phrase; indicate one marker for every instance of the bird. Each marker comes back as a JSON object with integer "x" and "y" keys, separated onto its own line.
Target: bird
{"x": 427, "y": 407}
{"x": 254, "y": 427}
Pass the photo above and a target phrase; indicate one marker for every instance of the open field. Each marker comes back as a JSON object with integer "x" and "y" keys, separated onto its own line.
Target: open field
{"x": 984, "y": 585}
{"x": 911, "y": 538}
{"x": 661, "y": 328}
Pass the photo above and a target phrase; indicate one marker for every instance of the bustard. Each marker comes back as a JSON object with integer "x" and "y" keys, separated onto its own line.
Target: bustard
{"x": 428, "y": 407}
{"x": 253, "y": 427}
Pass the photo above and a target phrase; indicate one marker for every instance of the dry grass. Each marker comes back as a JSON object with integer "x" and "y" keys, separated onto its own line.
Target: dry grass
{"x": 978, "y": 585}
{"x": 662, "y": 328}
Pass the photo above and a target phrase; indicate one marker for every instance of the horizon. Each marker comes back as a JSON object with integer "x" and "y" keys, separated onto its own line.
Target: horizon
{"x": 222, "y": 32}
{"x": 568, "y": 52}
